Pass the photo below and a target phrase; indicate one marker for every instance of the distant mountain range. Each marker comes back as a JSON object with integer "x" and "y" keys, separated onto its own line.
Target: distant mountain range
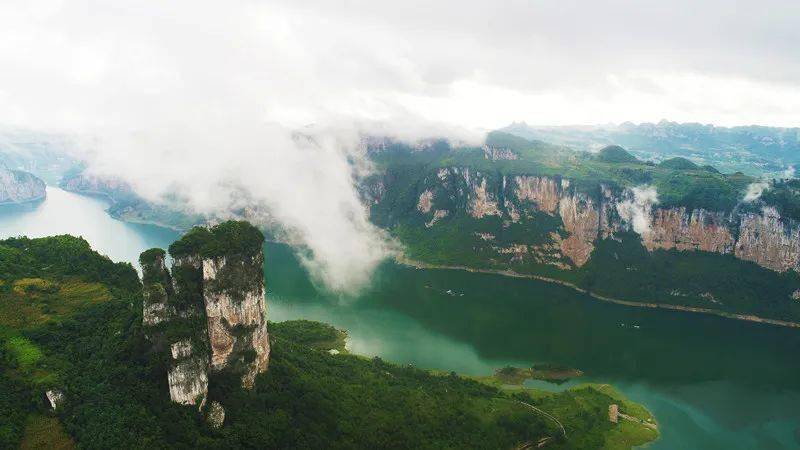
{"x": 754, "y": 150}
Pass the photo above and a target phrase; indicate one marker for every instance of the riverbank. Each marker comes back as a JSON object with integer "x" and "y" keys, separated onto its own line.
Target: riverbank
{"x": 510, "y": 273}
{"x": 29, "y": 201}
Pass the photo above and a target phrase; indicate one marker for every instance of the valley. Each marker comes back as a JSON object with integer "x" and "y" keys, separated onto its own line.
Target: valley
{"x": 670, "y": 362}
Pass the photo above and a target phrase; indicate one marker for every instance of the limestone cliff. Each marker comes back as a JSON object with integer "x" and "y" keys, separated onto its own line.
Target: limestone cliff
{"x": 769, "y": 240}
{"x": 683, "y": 230}
{"x": 544, "y": 192}
{"x": 19, "y": 187}
{"x": 233, "y": 291}
{"x": 765, "y": 238}
{"x": 581, "y": 220}
{"x": 209, "y": 313}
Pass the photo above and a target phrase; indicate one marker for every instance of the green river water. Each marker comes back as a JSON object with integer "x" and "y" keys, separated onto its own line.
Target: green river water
{"x": 712, "y": 383}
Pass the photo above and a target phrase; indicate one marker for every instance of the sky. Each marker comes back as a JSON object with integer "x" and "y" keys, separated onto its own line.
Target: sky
{"x": 202, "y": 98}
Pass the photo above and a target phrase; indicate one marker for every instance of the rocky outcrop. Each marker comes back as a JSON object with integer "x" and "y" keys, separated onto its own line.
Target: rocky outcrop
{"x": 496, "y": 154}
{"x": 438, "y": 215}
{"x": 156, "y": 287}
{"x": 682, "y": 230}
{"x": 20, "y": 187}
{"x": 215, "y": 415}
{"x": 544, "y": 192}
{"x": 769, "y": 241}
{"x": 209, "y": 313}
{"x": 233, "y": 290}
{"x": 482, "y": 203}
{"x": 188, "y": 375}
{"x": 425, "y": 202}
{"x": 581, "y": 220}
{"x": 55, "y": 398}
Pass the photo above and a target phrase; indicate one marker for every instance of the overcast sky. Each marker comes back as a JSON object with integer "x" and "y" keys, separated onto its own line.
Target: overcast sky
{"x": 475, "y": 64}
{"x": 199, "y": 98}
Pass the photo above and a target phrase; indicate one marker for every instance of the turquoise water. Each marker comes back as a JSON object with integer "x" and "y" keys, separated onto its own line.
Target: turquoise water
{"x": 63, "y": 212}
{"x": 712, "y": 383}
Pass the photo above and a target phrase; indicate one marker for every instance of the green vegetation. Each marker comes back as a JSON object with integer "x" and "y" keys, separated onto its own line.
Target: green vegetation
{"x": 320, "y": 336}
{"x": 510, "y": 375}
{"x": 619, "y": 268}
{"x": 615, "y": 154}
{"x": 230, "y": 237}
{"x": 679, "y": 163}
{"x": 784, "y": 195}
{"x": 116, "y": 392}
{"x": 45, "y": 432}
{"x": 148, "y": 257}
{"x": 677, "y": 183}
{"x": 708, "y": 280}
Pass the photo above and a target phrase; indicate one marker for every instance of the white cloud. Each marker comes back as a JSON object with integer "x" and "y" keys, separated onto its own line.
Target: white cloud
{"x": 636, "y": 209}
{"x": 754, "y": 190}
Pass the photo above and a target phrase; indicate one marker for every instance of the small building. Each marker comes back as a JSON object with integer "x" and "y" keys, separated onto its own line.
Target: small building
{"x": 613, "y": 413}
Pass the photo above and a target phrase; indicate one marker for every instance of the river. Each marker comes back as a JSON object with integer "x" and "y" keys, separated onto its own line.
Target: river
{"x": 712, "y": 383}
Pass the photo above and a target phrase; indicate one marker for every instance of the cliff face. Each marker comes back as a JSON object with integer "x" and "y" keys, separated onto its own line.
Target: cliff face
{"x": 90, "y": 184}
{"x": 766, "y": 238}
{"x": 20, "y": 187}
{"x": 233, "y": 291}
{"x": 769, "y": 241}
{"x": 683, "y": 230}
{"x": 209, "y": 313}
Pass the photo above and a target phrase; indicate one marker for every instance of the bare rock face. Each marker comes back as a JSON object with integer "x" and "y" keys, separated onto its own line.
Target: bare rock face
{"x": 187, "y": 375}
{"x": 581, "y": 220}
{"x": 19, "y": 187}
{"x": 769, "y": 241}
{"x": 55, "y": 397}
{"x": 210, "y": 310}
{"x": 482, "y": 203}
{"x": 156, "y": 286}
{"x": 766, "y": 238}
{"x": 497, "y": 154}
{"x": 438, "y": 215}
{"x": 700, "y": 230}
{"x": 216, "y": 415}
{"x": 233, "y": 290}
{"x": 425, "y": 202}
{"x": 543, "y": 191}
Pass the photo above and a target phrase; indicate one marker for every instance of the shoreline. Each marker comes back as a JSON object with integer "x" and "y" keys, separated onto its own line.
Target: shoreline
{"x": 107, "y": 197}
{"x": 25, "y": 202}
{"x": 667, "y": 306}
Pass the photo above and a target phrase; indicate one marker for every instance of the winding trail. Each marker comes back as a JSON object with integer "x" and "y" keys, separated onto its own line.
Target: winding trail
{"x": 549, "y": 416}
{"x": 510, "y": 273}
{"x": 639, "y": 421}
